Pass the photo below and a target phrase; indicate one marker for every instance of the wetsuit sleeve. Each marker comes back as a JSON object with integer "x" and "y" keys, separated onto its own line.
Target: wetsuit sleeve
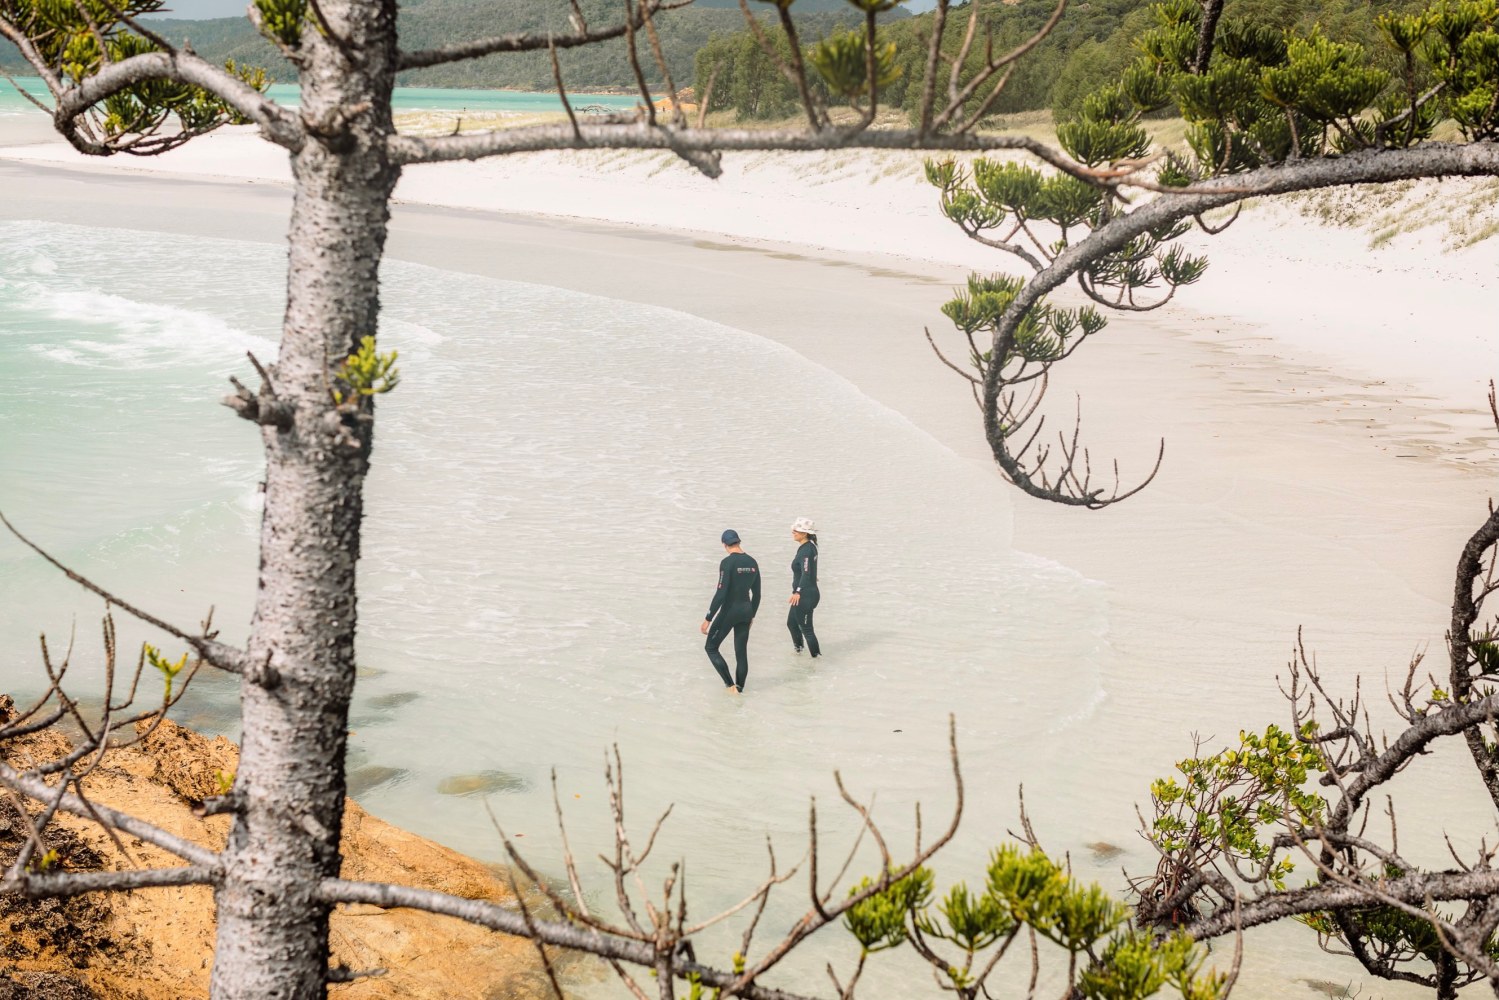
{"x": 796, "y": 572}
{"x": 807, "y": 580}
{"x": 722, "y": 591}
{"x": 755, "y": 594}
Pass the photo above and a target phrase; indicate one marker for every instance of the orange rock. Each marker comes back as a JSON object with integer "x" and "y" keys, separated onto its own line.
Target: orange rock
{"x": 157, "y": 944}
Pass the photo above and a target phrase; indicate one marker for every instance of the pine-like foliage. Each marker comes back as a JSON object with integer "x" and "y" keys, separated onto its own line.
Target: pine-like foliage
{"x": 1254, "y": 97}
{"x": 76, "y": 39}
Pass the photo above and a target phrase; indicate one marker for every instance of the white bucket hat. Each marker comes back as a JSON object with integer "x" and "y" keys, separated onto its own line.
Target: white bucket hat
{"x": 804, "y": 525}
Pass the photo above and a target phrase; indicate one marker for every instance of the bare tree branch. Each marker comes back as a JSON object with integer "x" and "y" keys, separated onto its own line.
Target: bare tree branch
{"x": 223, "y": 656}
{"x": 959, "y": 97}
{"x": 1206, "y": 34}
{"x": 36, "y": 788}
{"x": 56, "y": 885}
{"x": 406, "y": 149}
{"x": 277, "y": 123}
{"x": 508, "y": 921}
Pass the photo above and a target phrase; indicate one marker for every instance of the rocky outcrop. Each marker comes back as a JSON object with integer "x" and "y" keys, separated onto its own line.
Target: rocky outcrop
{"x": 157, "y": 944}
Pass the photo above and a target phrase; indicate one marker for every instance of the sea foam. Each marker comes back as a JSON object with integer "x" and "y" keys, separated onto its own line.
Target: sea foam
{"x": 549, "y": 483}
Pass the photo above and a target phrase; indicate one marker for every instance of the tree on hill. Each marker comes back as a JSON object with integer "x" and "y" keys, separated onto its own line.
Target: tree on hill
{"x": 604, "y": 66}
{"x": 118, "y": 87}
{"x": 115, "y": 86}
{"x": 1268, "y": 112}
{"x": 1003, "y": 25}
{"x": 591, "y": 67}
{"x": 1088, "y": 49}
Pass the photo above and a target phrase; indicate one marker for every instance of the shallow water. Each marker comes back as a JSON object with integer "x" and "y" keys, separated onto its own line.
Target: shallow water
{"x": 551, "y": 477}
{"x": 550, "y": 480}
{"x": 403, "y": 99}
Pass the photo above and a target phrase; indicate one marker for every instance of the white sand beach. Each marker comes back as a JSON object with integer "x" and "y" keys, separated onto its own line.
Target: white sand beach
{"x": 1328, "y": 448}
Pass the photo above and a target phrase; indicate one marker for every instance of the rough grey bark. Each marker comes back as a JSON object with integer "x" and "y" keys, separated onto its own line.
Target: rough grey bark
{"x": 1463, "y": 671}
{"x": 273, "y": 924}
{"x": 299, "y": 666}
{"x": 277, "y": 878}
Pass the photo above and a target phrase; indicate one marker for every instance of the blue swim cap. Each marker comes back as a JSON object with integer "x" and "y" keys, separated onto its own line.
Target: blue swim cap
{"x": 730, "y": 537}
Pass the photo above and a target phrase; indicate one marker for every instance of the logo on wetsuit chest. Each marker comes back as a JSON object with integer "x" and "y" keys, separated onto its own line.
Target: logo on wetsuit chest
{"x": 745, "y": 569}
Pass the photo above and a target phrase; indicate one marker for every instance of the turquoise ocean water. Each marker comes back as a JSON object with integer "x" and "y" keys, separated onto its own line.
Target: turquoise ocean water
{"x": 549, "y": 482}
{"x": 404, "y": 99}
{"x": 541, "y": 541}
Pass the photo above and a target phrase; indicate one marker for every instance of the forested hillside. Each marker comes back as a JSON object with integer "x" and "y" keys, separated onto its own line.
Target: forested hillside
{"x": 427, "y": 23}
{"x": 1089, "y": 47}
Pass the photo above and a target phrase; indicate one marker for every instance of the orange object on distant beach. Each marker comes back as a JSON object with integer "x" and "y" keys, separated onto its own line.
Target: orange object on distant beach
{"x": 686, "y": 98}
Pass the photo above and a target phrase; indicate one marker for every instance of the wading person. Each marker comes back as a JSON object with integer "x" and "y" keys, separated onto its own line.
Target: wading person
{"x": 734, "y": 605}
{"x": 804, "y": 595}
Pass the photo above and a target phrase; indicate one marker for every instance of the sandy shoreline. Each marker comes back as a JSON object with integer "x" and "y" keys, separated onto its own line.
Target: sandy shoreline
{"x": 1298, "y": 489}
{"x": 1409, "y": 310}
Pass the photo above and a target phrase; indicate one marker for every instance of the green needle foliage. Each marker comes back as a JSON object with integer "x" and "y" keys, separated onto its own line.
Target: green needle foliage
{"x": 965, "y": 932}
{"x": 878, "y": 922}
{"x": 1253, "y": 96}
{"x": 1046, "y": 335}
{"x": 58, "y": 26}
{"x": 1135, "y": 964}
{"x": 1267, "y": 96}
{"x": 1018, "y": 206}
{"x": 282, "y": 20}
{"x": 77, "y": 39}
{"x": 1221, "y": 811}
{"x": 366, "y": 373}
{"x": 842, "y": 60}
{"x": 169, "y": 669}
{"x": 1485, "y": 652}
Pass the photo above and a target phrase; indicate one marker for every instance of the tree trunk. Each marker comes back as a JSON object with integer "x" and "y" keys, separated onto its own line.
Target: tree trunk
{"x": 272, "y": 930}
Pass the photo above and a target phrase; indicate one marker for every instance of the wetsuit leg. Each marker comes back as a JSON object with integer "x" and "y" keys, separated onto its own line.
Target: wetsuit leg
{"x": 805, "y": 625}
{"x": 793, "y": 620}
{"x": 717, "y": 632}
{"x": 741, "y": 654}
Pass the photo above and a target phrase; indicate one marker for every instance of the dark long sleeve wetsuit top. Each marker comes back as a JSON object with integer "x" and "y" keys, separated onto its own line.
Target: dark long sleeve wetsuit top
{"x": 804, "y": 572}
{"x": 738, "y": 593}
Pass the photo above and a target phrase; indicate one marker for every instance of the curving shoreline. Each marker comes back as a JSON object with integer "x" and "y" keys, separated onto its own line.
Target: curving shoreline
{"x": 1300, "y": 488}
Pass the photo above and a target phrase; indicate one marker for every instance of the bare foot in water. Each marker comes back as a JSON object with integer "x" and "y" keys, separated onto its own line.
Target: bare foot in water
{"x": 732, "y": 690}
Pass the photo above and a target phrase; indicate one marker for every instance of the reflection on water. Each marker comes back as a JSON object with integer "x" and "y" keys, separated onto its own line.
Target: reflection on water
{"x": 550, "y": 481}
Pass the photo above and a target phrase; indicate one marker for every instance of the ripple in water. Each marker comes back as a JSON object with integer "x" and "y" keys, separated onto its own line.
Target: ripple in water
{"x": 550, "y": 481}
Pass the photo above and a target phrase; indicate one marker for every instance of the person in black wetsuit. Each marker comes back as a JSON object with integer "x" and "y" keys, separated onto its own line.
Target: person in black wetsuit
{"x": 734, "y": 605}
{"x": 804, "y": 594}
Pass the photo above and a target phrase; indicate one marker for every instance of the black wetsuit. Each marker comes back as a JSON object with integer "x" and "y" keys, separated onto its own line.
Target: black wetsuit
{"x": 804, "y": 582}
{"x": 734, "y": 605}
